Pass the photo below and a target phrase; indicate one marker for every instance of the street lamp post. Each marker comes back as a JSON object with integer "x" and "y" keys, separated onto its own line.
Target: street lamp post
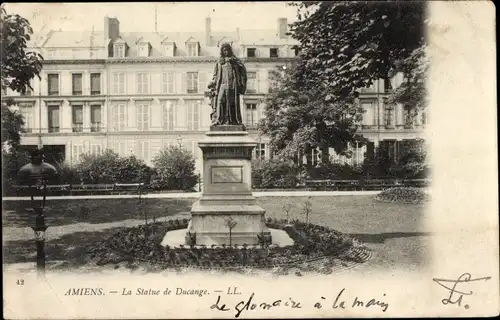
{"x": 36, "y": 174}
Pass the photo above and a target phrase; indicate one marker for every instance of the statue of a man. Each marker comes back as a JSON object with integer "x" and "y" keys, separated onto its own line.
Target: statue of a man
{"x": 228, "y": 83}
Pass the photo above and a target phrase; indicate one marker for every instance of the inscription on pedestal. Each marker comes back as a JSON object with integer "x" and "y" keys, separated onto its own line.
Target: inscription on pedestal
{"x": 227, "y": 152}
{"x": 227, "y": 174}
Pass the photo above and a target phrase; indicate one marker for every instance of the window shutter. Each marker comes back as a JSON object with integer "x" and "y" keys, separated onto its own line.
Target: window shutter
{"x": 262, "y": 84}
{"x": 183, "y": 78}
{"x": 155, "y": 148}
{"x": 201, "y": 81}
{"x": 174, "y": 81}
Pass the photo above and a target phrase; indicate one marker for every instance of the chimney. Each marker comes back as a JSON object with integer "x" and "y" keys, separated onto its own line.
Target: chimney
{"x": 282, "y": 28}
{"x": 111, "y": 28}
{"x": 208, "y": 30}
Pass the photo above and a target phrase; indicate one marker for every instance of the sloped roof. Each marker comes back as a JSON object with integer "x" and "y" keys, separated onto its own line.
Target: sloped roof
{"x": 84, "y": 39}
{"x": 263, "y": 37}
{"x": 68, "y": 39}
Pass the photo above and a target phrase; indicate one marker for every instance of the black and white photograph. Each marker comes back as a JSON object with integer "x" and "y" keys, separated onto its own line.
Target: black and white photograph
{"x": 249, "y": 159}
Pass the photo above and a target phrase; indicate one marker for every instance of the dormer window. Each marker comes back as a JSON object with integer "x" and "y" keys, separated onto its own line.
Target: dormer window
{"x": 273, "y": 52}
{"x": 192, "y": 49}
{"x": 168, "y": 49}
{"x": 251, "y": 52}
{"x": 119, "y": 50}
{"x": 143, "y": 49}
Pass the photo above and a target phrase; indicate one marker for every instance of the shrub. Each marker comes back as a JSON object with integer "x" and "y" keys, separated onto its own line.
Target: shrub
{"x": 274, "y": 173}
{"x": 174, "y": 170}
{"x": 108, "y": 167}
{"x": 404, "y": 195}
{"x": 65, "y": 174}
{"x": 335, "y": 171}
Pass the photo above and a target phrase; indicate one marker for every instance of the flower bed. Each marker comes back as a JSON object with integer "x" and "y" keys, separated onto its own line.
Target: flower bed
{"x": 313, "y": 243}
{"x": 407, "y": 195}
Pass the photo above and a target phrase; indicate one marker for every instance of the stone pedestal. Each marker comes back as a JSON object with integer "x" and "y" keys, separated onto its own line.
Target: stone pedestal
{"x": 227, "y": 192}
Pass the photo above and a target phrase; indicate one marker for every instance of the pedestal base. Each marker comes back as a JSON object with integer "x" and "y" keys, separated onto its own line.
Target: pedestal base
{"x": 208, "y": 225}
{"x": 227, "y": 192}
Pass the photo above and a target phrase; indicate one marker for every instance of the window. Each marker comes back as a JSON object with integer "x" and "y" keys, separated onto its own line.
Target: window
{"x": 251, "y": 52}
{"x": 95, "y": 149}
{"x": 251, "y": 82}
{"x": 192, "y": 82}
{"x": 27, "y": 113}
{"x": 251, "y": 115}
{"x": 118, "y": 117}
{"x": 118, "y": 83}
{"x": 121, "y": 149}
{"x": 387, "y": 85}
{"x": 119, "y": 51}
{"x": 168, "y": 50}
{"x": 389, "y": 116}
{"x": 77, "y": 84}
{"x": 168, "y": 82}
{"x": 53, "y": 83}
{"x": 53, "y": 113}
{"x": 28, "y": 92}
{"x": 192, "y": 49}
{"x": 142, "y": 83}
{"x": 76, "y": 153}
{"x": 260, "y": 151}
{"x": 273, "y": 52}
{"x": 193, "y": 113}
{"x": 409, "y": 117}
{"x": 424, "y": 118}
{"x": 143, "y": 117}
{"x": 143, "y": 50}
{"x": 388, "y": 148}
{"x": 314, "y": 157}
{"x": 296, "y": 51}
{"x": 77, "y": 118}
{"x": 95, "y": 83}
{"x": 144, "y": 150}
{"x": 272, "y": 76}
{"x": 369, "y": 115}
{"x": 168, "y": 116}
{"x": 95, "y": 118}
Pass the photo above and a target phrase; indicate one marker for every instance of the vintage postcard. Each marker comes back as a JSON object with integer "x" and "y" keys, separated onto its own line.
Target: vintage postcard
{"x": 194, "y": 160}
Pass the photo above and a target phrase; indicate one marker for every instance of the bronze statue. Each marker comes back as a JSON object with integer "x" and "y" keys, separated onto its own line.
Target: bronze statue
{"x": 228, "y": 83}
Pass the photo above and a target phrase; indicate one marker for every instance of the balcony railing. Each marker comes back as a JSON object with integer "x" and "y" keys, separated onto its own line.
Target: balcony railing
{"x": 195, "y": 90}
{"x": 77, "y": 127}
{"x": 77, "y": 92}
{"x": 53, "y": 129}
{"x": 95, "y": 92}
{"x": 96, "y": 127}
{"x": 54, "y": 93}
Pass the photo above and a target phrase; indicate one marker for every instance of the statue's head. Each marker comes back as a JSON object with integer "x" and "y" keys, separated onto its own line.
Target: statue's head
{"x": 226, "y": 50}
{"x": 36, "y": 156}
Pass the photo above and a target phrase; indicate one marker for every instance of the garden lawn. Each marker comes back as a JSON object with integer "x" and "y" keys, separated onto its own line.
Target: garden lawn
{"x": 394, "y": 232}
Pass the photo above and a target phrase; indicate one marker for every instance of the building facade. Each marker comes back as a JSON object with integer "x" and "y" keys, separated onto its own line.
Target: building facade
{"x": 136, "y": 93}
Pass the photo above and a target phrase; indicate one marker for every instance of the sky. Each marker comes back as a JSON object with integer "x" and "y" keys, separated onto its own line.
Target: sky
{"x": 172, "y": 16}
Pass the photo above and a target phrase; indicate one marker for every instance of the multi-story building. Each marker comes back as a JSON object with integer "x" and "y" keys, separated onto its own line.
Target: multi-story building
{"x": 136, "y": 93}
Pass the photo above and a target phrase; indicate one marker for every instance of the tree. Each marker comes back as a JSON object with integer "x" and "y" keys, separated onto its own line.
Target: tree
{"x": 18, "y": 68}
{"x": 348, "y": 45}
{"x": 303, "y": 114}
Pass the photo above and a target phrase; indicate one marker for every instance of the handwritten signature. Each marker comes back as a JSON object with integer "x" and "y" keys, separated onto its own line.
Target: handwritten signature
{"x": 456, "y": 295}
